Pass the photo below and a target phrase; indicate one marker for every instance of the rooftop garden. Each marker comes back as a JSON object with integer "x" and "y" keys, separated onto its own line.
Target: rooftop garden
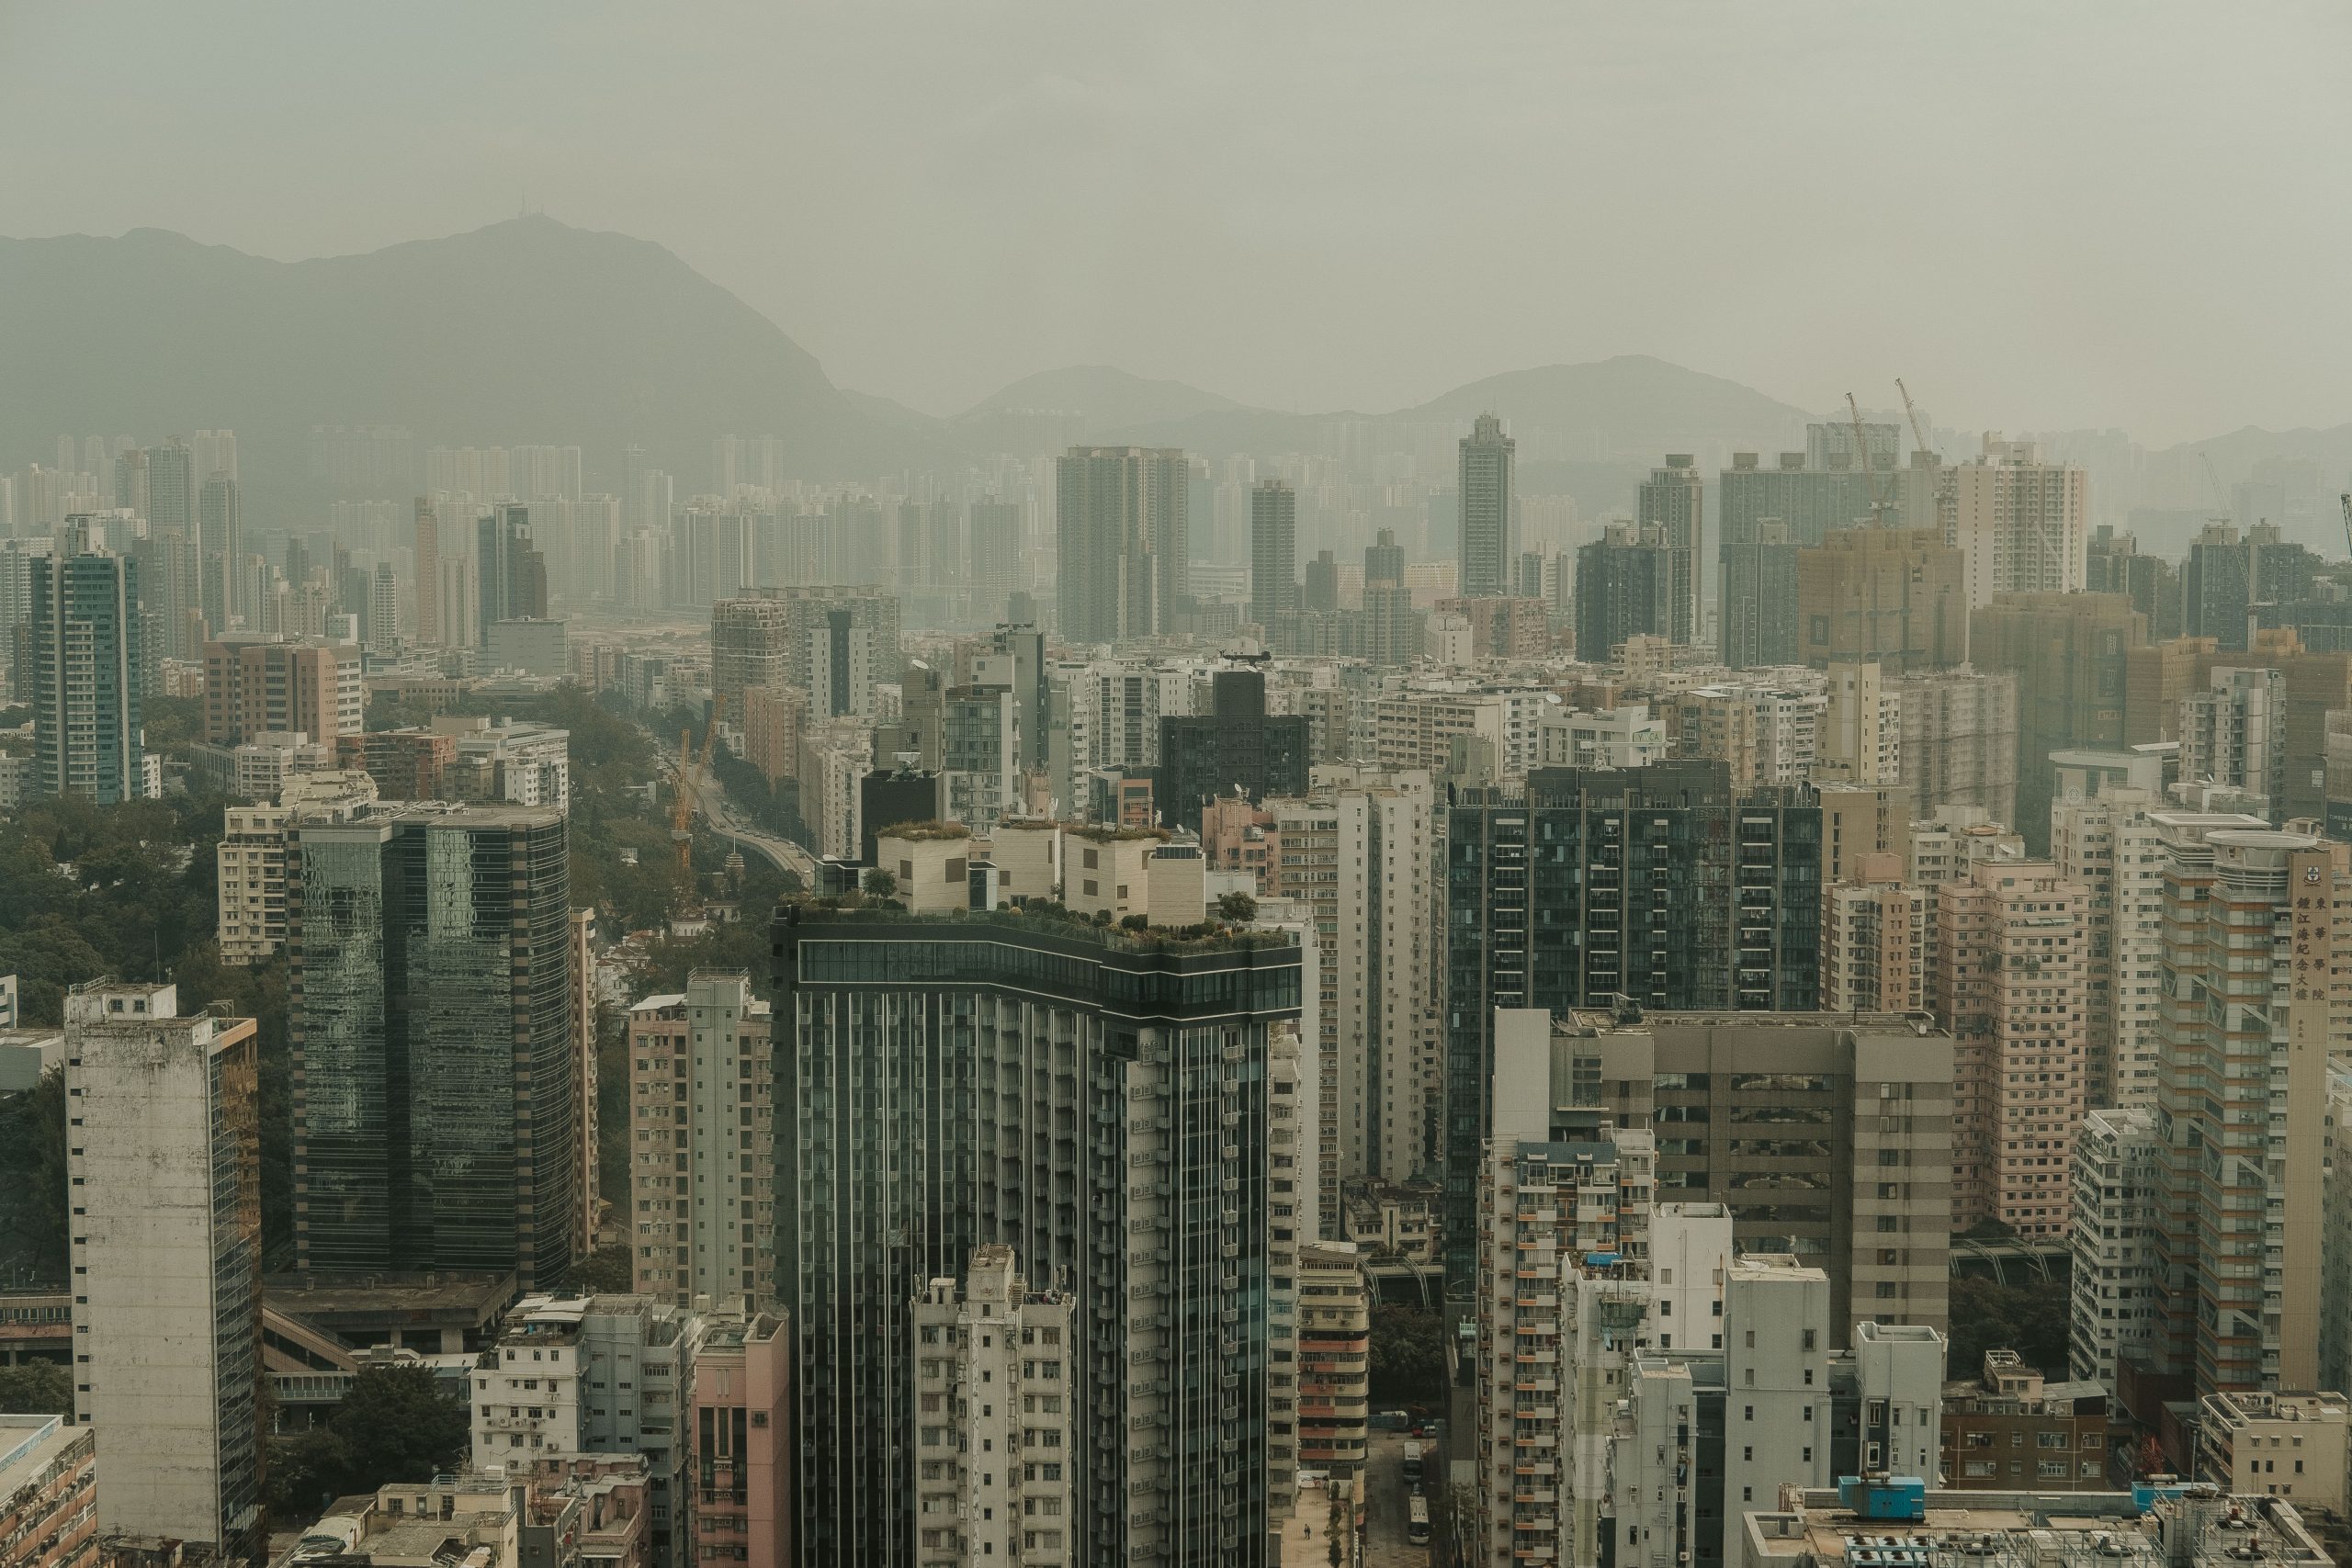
{"x": 1045, "y": 917}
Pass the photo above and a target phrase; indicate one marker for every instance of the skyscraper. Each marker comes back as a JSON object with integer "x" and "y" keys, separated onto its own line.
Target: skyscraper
{"x": 1274, "y": 551}
{"x": 1236, "y": 745}
{"x": 999, "y": 1336}
{"x": 1489, "y": 520}
{"x": 1131, "y": 1167}
{"x": 1624, "y": 588}
{"x": 163, "y": 1152}
{"x": 89, "y": 663}
{"x": 172, "y": 486}
{"x": 1673, "y": 500}
{"x": 2024, "y": 522}
{"x": 999, "y": 566}
{"x": 747, "y": 646}
{"x": 1122, "y": 513}
{"x": 1808, "y": 500}
{"x": 2009, "y": 980}
{"x": 256, "y": 685}
{"x": 513, "y": 576}
{"x": 2257, "y": 943}
{"x": 434, "y": 1114}
{"x": 428, "y": 573}
{"x": 222, "y": 527}
{"x": 1660, "y": 885}
{"x": 2069, "y": 653}
{"x": 1759, "y": 619}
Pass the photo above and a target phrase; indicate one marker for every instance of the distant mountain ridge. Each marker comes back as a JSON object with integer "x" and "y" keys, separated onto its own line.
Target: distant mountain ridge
{"x": 530, "y": 330}
{"x": 524, "y": 331}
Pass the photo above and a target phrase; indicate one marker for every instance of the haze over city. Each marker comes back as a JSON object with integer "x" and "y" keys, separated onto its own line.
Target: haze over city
{"x": 1052, "y": 786}
{"x": 2052, "y": 218}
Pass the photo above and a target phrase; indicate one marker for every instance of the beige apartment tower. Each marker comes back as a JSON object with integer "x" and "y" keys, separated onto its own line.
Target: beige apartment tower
{"x": 2012, "y": 950}
{"x": 702, "y": 1207}
{"x": 2257, "y": 980}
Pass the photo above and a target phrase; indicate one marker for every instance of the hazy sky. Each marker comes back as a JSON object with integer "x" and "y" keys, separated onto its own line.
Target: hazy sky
{"x": 2041, "y": 215}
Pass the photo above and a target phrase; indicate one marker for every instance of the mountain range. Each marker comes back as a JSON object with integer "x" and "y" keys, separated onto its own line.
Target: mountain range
{"x": 535, "y": 331}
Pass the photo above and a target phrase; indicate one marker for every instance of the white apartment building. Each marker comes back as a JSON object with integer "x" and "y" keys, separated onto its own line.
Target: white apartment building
{"x": 702, "y": 1202}
{"x": 1900, "y": 1369}
{"x": 2260, "y": 1444}
{"x": 595, "y": 1375}
{"x": 834, "y": 759}
{"x": 1945, "y": 847}
{"x": 249, "y": 862}
{"x": 997, "y": 1440}
{"x": 2233, "y": 733}
{"x": 163, "y": 1119}
{"x": 1766, "y": 728}
{"x": 841, "y": 668}
{"x": 257, "y": 767}
{"x": 1416, "y": 730}
{"x": 509, "y": 760}
{"x": 1550, "y": 1336}
{"x": 1776, "y": 1395}
{"x": 1417, "y": 719}
{"x": 1306, "y": 871}
{"x": 1617, "y": 1335}
{"x": 1389, "y": 923}
{"x": 2113, "y": 844}
{"x": 2024, "y": 522}
{"x": 1625, "y": 737}
{"x": 1107, "y": 715}
{"x": 2111, "y": 1314}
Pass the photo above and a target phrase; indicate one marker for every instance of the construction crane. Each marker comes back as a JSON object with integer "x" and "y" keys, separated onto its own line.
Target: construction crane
{"x": 692, "y": 774}
{"x": 1918, "y": 434}
{"x": 2344, "y": 501}
{"x": 1878, "y": 509}
{"x": 2220, "y": 498}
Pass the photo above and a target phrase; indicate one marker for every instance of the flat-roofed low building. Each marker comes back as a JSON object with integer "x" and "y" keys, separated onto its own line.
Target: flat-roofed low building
{"x": 2010, "y": 1430}
{"x": 1108, "y": 870}
{"x": 1900, "y": 1523}
{"x": 442, "y": 1313}
{"x": 27, "y": 1054}
{"x": 930, "y": 862}
{"x": 2275, "y": 1445}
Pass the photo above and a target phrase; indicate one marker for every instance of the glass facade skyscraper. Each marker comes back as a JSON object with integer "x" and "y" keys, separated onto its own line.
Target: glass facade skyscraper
{"x": 434, "y": 1112}
{"x": 1655, "y": 886}
{"x": 1489, "y": 519}
{"x": 89, "y": 663}
{"x": 1101, "y": 1105}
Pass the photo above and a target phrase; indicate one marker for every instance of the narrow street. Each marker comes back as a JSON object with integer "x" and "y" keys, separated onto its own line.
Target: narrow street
{"x": 1385, "y": 1495}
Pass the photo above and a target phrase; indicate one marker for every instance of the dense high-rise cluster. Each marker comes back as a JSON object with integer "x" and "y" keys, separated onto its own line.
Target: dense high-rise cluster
{"x": 1422, "y": 989}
